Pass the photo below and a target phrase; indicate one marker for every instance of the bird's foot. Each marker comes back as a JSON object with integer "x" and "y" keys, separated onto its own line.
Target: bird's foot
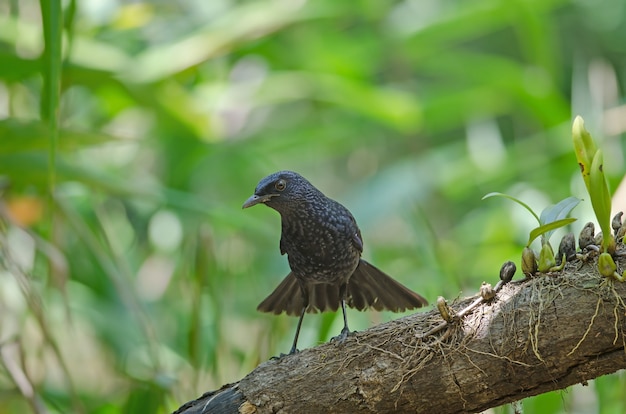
{"x": 342, "y": 336}
{"x": 293, "y": 351}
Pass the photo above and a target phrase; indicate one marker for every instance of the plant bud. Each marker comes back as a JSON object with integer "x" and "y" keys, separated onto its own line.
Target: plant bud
{"x": 620, "y": 234}
{"x": 586, "y": 236}
{"x": 567, "y": 247}
{"x": 507, "y": 271}
{"x": 529, "y": 262}
{"x": 616, "y": 223}
{"x": 486, "y": 291}
{"x": 606, "y": 265}
{"x": 444, "y": 310}
{"x": 546, "y": 258}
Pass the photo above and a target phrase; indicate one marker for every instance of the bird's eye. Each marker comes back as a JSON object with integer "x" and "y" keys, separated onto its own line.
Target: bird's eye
{"x": 280, "y": 185}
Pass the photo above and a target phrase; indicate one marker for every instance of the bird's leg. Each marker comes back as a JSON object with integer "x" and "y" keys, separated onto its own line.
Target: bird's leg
{"x": 295, "y": 339}
{"x": 305, "y": 304}
{"x": 345, "y": 331}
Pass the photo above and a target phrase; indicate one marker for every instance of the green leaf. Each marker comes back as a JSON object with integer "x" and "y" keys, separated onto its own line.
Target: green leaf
{"x": 557, "y": 212}
{"x": 538, "y": 231}
{"x": 496, "y": 194}
{"x": 18, "y": 136}
{"x": 52, "y": 18}
{"x": 391, "y": 106}
{"x": 600, "y": 197}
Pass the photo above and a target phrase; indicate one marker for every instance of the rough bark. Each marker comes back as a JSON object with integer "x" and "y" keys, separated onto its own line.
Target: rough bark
{"x": 543, "y": 334}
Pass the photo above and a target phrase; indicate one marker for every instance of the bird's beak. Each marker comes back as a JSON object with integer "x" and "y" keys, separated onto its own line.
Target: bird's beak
{"x": 256, "y": 199}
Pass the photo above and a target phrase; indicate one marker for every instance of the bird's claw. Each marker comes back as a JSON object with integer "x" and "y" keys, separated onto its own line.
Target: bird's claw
{"x": 341, "y": 337}
{"x": 292, "y": 352}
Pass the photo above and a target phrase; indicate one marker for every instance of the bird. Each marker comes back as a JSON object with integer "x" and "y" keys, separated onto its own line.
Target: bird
{"x": 323, "y": 245}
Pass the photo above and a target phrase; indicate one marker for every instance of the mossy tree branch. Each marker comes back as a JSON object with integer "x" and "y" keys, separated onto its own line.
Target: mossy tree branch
{"x": 536, "y": 336}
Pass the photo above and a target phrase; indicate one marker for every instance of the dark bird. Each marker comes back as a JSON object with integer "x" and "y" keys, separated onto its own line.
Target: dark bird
{"x": 323, "y": 245}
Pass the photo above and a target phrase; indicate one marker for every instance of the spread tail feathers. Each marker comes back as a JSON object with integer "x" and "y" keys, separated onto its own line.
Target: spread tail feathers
{"x": 367, "y": 287}
{"x": 370, "y": 287}
{"x": 287, "y": 297}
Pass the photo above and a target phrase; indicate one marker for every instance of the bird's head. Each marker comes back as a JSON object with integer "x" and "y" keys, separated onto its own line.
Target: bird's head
{"x": 282, "y": 190}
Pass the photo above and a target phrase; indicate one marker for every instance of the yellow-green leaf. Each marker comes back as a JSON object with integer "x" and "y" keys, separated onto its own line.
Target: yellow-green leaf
{"x": 584, "y": 147}
{"x": 538, "y": 231}
{"x": 600, "y": 196}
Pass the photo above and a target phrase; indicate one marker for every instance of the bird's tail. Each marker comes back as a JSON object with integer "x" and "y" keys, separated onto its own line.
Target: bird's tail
{"x": 287, "y": 297}
{"x": 369, "y": 287}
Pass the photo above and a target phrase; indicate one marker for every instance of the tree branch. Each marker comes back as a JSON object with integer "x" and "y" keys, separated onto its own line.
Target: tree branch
{"x": 540, "y": 335}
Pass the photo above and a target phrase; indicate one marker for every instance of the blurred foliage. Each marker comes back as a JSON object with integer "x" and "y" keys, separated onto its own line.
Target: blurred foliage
{"x": 131, "y": 133}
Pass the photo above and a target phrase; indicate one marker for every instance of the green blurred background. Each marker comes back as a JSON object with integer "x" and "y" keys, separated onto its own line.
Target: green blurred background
{"x": 130, "y": 274}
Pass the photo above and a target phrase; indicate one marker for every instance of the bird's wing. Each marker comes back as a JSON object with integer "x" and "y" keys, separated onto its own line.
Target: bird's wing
{"x": 370, "y": 287}
{"x": 283, "y": 248}
{"x": 357, "y": 239}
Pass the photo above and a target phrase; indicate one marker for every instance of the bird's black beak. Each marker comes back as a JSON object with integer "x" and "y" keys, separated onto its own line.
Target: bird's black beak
{"x": 256, "y": 199}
